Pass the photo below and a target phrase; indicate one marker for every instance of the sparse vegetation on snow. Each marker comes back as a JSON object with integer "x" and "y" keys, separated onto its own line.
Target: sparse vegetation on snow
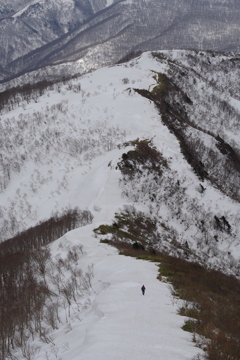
{"x": 149, "y": 149}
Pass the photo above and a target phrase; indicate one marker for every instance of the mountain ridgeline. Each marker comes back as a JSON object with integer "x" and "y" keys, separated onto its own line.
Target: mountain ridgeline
{"x": 36, "y": 34}
{"x": 149, "y": 148}
{"x": 183, "y": 168}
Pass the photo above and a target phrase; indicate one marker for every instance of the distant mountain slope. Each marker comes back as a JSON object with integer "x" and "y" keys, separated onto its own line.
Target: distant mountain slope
{"x": 41, "y": 33}
{"x": 164, "y": 127}
{"x": 32, "y": 24}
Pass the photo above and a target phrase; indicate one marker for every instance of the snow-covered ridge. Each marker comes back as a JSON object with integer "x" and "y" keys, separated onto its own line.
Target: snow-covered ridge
{"x": 94, "y": 307}
{"x": 49, "y": 32}
{"x": 117, "y": 321}
{"x": 61, "y": 149}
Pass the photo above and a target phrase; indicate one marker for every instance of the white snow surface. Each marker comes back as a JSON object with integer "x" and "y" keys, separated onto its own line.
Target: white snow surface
{"x": 109, "y": 2}
{"x": 72, "y": 140}
{"x": 119, "y": 323}
{"x": 105, "y": 112}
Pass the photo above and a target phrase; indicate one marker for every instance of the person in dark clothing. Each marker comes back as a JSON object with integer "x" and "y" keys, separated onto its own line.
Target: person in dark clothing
{"x": 143, "y": 289}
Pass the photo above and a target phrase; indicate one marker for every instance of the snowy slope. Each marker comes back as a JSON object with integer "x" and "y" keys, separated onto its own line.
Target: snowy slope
{"x": 102, "y": 32}
{"x": 63, "y": 135}
{"x": 113, "y": 319}
{"x": 119, "y": 322}
{"x": 62, "y": 148}
{"x": 59, "y": 147}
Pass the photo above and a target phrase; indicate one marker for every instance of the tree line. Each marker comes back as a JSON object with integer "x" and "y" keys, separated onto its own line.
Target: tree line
{"x": 46, "y": 232}
{"x": 28, "y": 304}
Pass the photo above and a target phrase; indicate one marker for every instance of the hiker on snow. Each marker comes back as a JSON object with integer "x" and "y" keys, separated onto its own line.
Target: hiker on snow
{"x": 143, "y": 289}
